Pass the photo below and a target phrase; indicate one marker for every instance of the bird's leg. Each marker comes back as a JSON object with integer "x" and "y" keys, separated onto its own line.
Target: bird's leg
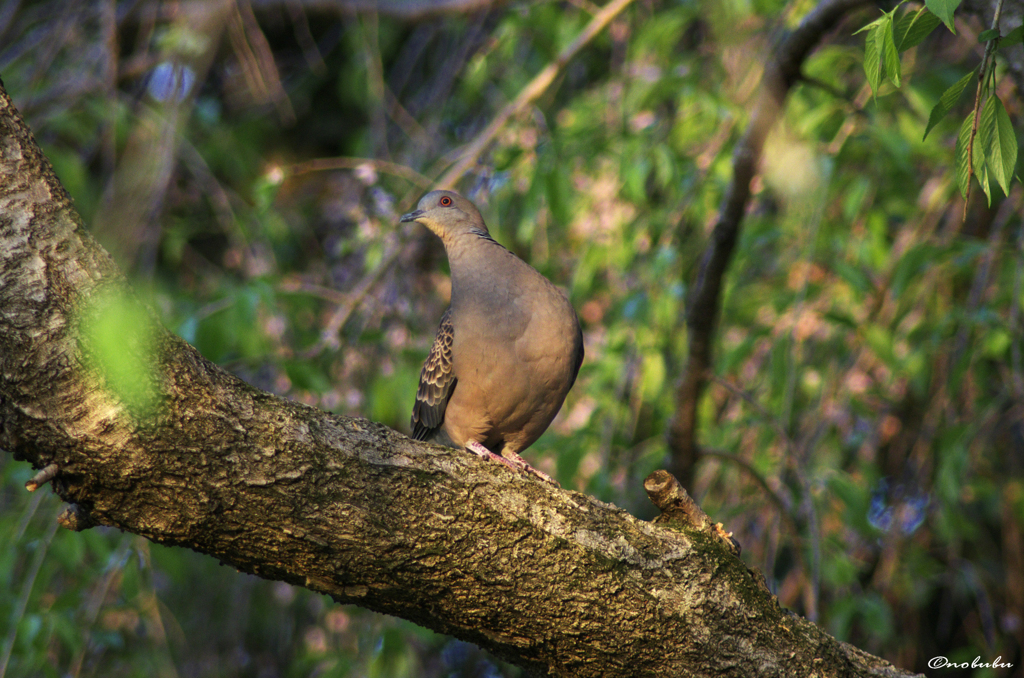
{"x": 513, "y": 461}
{"x": 481, "y": 451}
{"x": 524, "y": 465}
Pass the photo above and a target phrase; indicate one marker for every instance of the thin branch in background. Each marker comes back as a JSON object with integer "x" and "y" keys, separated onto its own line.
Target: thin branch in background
{"x": 533, "y": 91}
{"x": 207, "y": 181}
{"x": 213, "y": 307}
{"x": 410, "y": 53}
{"x": 983, "y": 272}
{"x": 56, "y": 40}
{"x": 794, "y": 356}
{"x": 115, "y": 566}
{"x": 127, "y": 220}
{"x": 703, "y": 307}
{"x": 786, "y": 504}
{"x": 108, "y": 138}
{"x": 300, "y": 25}
{"x": 329, "y": 294}
{"x": 782, "y": 503}
{"x": 401, "y": 117}
{"x": 586, "y": 6}
{"x": 853, "y": 118}
{"x": 7, "y": 14}
{"x": 336, "y": 321}
{"x": 385, "y": 166}
{"x": 779, "y": 429}
{"x": 812, "y": 593}
{"x": 460, "y": 48}
{"x": 149, "y": 608}
{"x": 1014, "y": 321}
{"x": 347, "y": 303}
{"x": 713, "y": 147}
{"x": 26, "y": 516}
{"x": 26, "y": 591}
{"x": 944, "y": 404}
{"x": 257, "y": 61}
{"x": 410, "y": 10}
{"x": 369, "y": 29}
{"x": 794, "y": 353}
{"x": 826, "y": 87}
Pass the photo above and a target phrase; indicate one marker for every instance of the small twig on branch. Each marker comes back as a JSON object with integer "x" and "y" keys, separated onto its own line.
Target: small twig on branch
{"x": 703, "y": 305}
{"x": 677, "y": 506}
{"x": 44, "y": 476}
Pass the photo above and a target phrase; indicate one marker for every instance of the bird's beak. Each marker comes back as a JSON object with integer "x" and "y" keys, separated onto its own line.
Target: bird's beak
{"x": 412, "y": 216}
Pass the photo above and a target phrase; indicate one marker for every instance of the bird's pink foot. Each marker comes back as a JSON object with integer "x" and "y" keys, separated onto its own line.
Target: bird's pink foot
{"x": 524, "y": 465}
{"x": 514, "y": 461}
{"x": 481, "y": 451}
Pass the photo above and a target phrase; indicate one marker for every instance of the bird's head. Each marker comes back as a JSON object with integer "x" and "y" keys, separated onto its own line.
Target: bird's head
{"x": 448, "y": 214}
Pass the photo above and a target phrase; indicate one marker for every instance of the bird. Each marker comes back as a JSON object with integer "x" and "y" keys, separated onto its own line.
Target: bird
{"x": 507, "y": 350}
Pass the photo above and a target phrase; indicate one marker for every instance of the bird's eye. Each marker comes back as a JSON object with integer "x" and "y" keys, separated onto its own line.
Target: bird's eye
{"x": 446, "y": 201}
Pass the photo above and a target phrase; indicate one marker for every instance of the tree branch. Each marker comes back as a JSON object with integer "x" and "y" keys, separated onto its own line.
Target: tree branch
{"x": 410, "y": 10}
{"x": 703, "y": 305}
{"x": 530, "y": 93}
{"x": 551, "y": 580}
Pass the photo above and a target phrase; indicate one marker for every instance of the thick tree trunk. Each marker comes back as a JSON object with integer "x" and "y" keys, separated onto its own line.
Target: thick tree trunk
{"x": 185, "y": 454}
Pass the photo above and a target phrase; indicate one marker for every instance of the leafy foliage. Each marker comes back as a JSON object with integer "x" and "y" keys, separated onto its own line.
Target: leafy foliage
{"x": 997, "y": 150}
{"x": 862, "y": 433}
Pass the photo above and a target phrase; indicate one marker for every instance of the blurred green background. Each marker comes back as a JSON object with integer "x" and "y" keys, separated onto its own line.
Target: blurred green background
{"x": 246, "y": 163}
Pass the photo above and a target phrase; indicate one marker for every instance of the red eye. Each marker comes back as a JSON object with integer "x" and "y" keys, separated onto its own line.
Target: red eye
{"x": 446, "y": 201}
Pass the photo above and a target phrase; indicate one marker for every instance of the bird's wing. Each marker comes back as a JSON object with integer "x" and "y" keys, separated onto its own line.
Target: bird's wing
{"x": 437, "y": 382}
{"x": 577, "y": 354}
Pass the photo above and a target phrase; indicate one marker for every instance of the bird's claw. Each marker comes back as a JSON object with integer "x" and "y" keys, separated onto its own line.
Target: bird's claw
{"x": 514, "y": 462}
{"x": 481, "y": 451}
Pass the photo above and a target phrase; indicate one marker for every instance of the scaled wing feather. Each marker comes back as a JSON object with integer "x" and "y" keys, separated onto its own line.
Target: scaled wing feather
{"x": 437, "y": 382}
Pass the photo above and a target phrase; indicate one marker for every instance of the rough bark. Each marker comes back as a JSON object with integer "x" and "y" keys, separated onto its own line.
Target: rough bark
{"x": 548, "y": 579}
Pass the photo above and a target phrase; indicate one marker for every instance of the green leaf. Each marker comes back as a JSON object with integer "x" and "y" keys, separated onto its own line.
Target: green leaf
{"x": 916, "y": 260}
{"x": 981, "y": 172}
{"x": 653, "y": 372}
{"x": 998, "y": 142}
{"x": 947, "y": 101}
{"x": 890, "y": 56}
{"x": 874, "y": 24}
{"x": 963, "y": 170}
{"x": 1008, "y": 144}
{"x": 986, "y": 127}
{"x": 990, "y": 34}
{"x": 120, "y": 349}
{"x": 944, "y": 10}
{"x": 1013, "y": 38}
{"x": 873, "y": 59}
{"x": 913, "y": 28}
{"x": 854, "y": 276}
